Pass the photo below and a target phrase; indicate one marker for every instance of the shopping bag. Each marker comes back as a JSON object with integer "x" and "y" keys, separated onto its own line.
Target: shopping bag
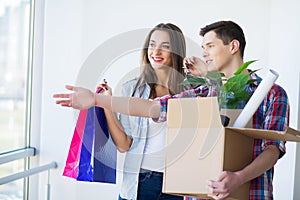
{"x": 72, "y": 162}
{"x": 92, "y": 155}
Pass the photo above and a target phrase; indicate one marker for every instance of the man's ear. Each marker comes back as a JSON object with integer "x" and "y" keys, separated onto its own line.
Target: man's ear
{"x": 235, "y": 46}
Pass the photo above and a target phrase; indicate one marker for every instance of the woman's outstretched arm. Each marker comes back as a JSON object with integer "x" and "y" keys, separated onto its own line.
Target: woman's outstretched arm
{"x": 82, "y": 98}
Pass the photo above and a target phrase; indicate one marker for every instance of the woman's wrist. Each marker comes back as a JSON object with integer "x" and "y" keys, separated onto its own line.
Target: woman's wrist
{"x": 96, "y": 96}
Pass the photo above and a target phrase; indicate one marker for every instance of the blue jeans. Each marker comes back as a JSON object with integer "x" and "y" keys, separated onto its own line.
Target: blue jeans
{"x": 150, "y": 187}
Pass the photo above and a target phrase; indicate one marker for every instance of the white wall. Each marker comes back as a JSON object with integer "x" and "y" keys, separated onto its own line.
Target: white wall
{"x": 297, "y": 166}
{"x": 283, "y": 57}
{"x": 76, "y": 32}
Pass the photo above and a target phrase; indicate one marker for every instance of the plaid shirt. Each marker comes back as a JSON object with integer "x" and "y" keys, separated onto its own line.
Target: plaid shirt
{"x": 272, "y": 114}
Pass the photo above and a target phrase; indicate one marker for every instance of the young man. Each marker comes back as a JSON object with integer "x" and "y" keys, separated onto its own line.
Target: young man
{"x": 223, "y": 45}
{"x": 223, "y": 49}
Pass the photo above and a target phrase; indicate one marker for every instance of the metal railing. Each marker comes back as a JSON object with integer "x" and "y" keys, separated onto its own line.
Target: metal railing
{"x": 16, "y": 155}
{"x": 20, "y": 154}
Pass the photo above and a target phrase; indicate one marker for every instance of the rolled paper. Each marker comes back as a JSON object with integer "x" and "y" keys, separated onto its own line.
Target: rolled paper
{"x": 256, "y": 99}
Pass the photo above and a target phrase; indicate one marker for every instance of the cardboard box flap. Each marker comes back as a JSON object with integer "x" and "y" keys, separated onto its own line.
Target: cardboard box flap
{"x": 288, "y": 135}
{"x": 205, "y": 110}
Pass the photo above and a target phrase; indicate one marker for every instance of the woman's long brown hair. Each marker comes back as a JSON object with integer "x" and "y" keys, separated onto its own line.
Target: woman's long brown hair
{"x": 178, "y": 53}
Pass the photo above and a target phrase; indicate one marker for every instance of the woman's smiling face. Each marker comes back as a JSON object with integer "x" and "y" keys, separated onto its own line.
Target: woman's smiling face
{"x": 159, "y": 49}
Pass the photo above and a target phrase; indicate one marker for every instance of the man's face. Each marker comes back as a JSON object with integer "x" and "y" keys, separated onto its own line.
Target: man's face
{"x": 216, "y": 55}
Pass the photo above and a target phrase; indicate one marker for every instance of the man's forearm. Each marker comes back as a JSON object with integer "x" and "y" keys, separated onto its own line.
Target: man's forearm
{"x": 266, "y": 160}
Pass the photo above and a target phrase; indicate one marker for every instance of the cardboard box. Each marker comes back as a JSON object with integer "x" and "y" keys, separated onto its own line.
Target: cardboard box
{"x": 199, "y": 148}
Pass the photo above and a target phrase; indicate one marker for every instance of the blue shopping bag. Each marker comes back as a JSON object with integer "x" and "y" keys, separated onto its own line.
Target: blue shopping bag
{"x": 98, "y": 154}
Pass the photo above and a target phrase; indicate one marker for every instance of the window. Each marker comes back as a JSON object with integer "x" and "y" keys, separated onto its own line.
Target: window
{"x": 14, "y": 58}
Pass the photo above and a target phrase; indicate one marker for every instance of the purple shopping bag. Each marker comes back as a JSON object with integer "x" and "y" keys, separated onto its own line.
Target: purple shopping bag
{"x": 92, "y": 155}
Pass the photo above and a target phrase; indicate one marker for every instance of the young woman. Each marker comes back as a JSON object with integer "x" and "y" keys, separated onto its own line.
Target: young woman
{"x": 142, "y": 139}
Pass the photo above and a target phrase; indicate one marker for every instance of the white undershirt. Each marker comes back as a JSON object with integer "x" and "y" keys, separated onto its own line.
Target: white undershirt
{"x": 154, "y": 152}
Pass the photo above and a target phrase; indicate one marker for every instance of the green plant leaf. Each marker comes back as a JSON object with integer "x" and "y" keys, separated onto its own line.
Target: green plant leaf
{"x": 242, "y": 95}
{"x": 233, "y": 91}
{"x": 230, "y": 93}
{"x": 232, "y": 105}
{"x": 193, "y": 80}
{"x": 240, "y": 82}
{"x": 253, "y": 71}
{"x": 244, "y": 66}
{"x": 216, "y": 76}
{"x": 239, "y": 78}
{"x": 233, "y": 101}
{"x": 230, "y": 86}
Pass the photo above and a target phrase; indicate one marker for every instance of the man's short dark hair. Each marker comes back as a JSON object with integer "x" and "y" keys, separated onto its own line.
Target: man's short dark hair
{"x": 227, "y": 31}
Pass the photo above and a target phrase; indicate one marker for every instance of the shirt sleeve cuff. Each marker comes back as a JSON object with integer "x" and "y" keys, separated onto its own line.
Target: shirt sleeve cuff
{"x": 163, "y": 101}
{"x": 279, "y": 144}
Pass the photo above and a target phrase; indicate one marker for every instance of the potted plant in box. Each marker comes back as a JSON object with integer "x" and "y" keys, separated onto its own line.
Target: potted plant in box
{"x": 230, "y": 91}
